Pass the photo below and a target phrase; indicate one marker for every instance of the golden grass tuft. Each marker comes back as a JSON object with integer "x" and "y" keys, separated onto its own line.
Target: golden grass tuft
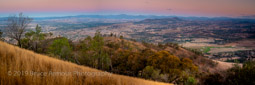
{"x": 22, "y": 67}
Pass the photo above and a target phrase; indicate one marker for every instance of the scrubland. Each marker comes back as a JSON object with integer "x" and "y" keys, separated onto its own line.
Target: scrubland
{"x": 23, "y": 67}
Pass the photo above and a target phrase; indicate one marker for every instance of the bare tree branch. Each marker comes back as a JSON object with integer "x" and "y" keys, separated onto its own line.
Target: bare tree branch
{"x": 16, "y": 26}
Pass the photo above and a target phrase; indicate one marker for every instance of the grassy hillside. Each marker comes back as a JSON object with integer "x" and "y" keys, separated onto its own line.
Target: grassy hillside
{"x": 20, "y": 66}
{"x": 203, "y": 63}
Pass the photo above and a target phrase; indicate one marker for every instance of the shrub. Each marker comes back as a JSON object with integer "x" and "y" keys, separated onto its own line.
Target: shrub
{"x": 234, "y": 76}
{"x": 147, "y": 71}
{"x": 191, "y": 81}
{"x": 242, "y": 75}
{"x": 156, "y": 75}
{"x": 61, "y": 47}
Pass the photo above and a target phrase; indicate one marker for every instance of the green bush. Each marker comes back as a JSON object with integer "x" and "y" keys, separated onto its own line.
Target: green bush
{"x": 191, "y": 81}
{"x": 147, "y": 71}
{"x": 61, "y": 47}
{"x": 242, "y": 75}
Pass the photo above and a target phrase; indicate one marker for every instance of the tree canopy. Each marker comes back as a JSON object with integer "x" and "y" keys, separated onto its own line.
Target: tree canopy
{"x": 61, "y": 47}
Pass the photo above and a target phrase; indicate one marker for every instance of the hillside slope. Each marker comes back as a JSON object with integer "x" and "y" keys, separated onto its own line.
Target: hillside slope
{"x": 203, "y": 63}
{"x": 20, "y": 66}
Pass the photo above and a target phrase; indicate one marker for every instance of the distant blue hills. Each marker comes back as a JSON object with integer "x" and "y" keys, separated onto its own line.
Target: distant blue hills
{"x": 141, "y": 17}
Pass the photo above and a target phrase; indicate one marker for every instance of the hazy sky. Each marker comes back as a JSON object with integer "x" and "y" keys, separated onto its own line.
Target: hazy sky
{"x": 211, "y": 8}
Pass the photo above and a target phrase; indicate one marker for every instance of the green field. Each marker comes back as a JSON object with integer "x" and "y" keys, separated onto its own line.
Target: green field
{"x": 206, "y": 49}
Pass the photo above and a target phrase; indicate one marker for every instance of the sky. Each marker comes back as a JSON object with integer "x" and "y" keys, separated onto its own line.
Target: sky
{"x": 208, "y": 8}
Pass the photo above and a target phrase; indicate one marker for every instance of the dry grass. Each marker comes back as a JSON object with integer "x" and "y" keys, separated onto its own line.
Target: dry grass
{"x": 223, "y": 66}
{"x": 14, "y": 60}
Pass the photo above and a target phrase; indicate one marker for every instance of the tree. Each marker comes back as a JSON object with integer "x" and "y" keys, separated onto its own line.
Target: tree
{"x": 213, "y": 79}
{"x": 244, "y": 75}
{"x": 147, "y": 71}
{"x": 16, "y": 27}
{"x": 33, "y": 39}
{"x": 111, "y": 34}
{"x": 236, "y": 75}
{"x": 118, "y": 58}
{"x": 178, "y": 70}
{"x": 96, "y": 45}
{"x": 156, "y": 74}
{"x": 164, "y": 61}
{"x": 61, "y": 47}
{"x": 121, "y": 37}
{"x": 1, "y": 33}
{"x": 135, "y": 62}
{"x": 187, "y": 64}
{"x": 95, "y": 48}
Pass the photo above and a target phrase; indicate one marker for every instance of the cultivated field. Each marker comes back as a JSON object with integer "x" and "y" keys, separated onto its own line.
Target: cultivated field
{"x": 205, "y": 47}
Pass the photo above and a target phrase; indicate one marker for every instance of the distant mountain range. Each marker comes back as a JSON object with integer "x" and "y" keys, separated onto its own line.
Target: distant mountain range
{"x": 141, "y": 17}
{"x": 160, "y": 21}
